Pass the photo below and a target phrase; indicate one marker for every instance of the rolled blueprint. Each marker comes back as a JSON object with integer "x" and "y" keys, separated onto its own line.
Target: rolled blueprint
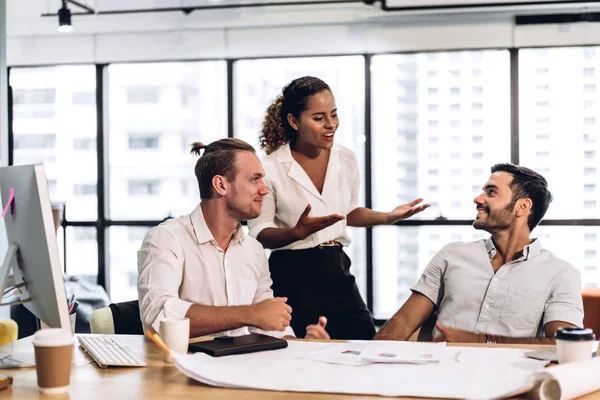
{"x": 569, "y": 380}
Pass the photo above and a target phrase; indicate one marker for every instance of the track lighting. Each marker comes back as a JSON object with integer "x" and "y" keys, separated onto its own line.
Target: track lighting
{"x": 64, "y": 18}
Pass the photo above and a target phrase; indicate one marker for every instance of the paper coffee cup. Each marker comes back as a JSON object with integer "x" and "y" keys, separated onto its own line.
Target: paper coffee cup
{"x": 175, "y": 333}
{"x": 574, "y": 344}
{"x": 53, "y": 356}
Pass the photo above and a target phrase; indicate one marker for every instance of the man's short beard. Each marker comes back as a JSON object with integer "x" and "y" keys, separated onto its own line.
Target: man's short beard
{"x": 490, "y": 228}
{"x": 500, "y": 225}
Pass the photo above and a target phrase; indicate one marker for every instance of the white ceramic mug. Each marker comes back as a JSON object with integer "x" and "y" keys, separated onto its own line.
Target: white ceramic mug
{"x": 175, "y": 332}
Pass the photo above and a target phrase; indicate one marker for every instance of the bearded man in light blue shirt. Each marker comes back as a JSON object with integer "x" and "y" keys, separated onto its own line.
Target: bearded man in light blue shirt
{"x": 503, "y": 289}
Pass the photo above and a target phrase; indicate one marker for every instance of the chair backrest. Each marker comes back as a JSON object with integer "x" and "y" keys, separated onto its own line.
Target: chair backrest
{"x": 126, "y": 318}
{"x": 117, "y": 318}
{"x": 101, "y": 322}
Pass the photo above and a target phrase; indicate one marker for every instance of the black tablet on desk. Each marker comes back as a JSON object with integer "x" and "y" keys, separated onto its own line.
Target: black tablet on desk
{"x": 228, "y": 345}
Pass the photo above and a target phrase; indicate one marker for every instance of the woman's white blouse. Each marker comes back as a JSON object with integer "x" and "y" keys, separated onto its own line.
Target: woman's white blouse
{"x": 290, "y": 190}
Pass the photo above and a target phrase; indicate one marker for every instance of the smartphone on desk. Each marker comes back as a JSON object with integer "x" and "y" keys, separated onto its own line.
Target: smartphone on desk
{"x": 228, "y": 345}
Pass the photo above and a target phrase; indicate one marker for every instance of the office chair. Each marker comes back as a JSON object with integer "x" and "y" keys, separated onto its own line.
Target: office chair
{"x": 117, "y": 318}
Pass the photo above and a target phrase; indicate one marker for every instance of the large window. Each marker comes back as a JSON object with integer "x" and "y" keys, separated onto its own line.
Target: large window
{"x": 440, "y": 121}
{"x": 156, "y": 111}
{"x": 46, "y": 122}
{"x": 560, "y": 125}
{"x": 559, "y": 98}
{"x": 258, "y": 82}
{"x": 49, "y": 116}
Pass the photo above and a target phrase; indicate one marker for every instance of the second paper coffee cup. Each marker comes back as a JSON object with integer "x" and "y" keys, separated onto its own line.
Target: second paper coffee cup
{"x": 574, "y": 344}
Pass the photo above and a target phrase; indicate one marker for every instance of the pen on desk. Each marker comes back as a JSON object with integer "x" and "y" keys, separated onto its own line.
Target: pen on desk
{"x": 158, "y": 341}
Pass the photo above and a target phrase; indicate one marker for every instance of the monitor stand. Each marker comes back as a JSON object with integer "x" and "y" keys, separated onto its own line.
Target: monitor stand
{"x": 11, "y": 262}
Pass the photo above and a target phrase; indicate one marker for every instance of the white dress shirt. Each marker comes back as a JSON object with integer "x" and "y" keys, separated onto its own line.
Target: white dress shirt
{"x": 290, "y": 190}
{"x": 180, "y": 264}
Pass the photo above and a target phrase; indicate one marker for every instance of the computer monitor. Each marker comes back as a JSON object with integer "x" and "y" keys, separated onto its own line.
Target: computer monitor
{"x": 32, "y": 252}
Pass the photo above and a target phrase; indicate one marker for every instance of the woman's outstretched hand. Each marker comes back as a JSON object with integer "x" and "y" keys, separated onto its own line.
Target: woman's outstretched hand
{"x": 306, "y": 225}
{"x": 405, "y": 211}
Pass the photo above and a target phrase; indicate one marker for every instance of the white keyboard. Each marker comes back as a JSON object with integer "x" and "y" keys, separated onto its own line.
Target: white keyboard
{"x": 108, "y": 351}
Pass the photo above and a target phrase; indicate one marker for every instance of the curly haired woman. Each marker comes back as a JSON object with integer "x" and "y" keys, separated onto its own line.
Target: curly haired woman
{"x": 314, "y": 190}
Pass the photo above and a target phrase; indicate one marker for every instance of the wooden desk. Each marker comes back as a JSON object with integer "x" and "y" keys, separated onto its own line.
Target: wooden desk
{"x": 159, "y": 380}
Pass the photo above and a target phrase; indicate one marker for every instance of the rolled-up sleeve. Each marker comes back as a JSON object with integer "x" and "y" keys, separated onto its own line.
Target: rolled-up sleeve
{"x": 263, "y": 292}
{"x": 267, "y": 214}
{"x": 430, "y": 282}
{"x": 565, "y": 302}
{"x": 160, "y": 268}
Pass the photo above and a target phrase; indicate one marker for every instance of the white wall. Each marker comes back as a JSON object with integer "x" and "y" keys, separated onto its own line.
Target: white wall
{"x": 286, "y": 41}
{"x": 281, "y": 31}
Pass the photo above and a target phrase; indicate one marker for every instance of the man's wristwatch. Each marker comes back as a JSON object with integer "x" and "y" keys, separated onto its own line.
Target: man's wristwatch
{"x": 489, "y": 340}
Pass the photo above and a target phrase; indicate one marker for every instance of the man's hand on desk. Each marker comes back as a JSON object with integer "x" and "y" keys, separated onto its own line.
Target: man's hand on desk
{"x": 271, "y": 314}
{"x": 317, "y": 331}
{"x": 448, "y": 334}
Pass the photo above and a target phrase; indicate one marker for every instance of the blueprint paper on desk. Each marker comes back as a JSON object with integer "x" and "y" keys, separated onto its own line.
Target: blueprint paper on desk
{"x": 478, "y": 373}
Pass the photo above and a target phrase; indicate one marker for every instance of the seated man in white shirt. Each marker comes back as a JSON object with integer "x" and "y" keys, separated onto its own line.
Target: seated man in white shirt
{"x": 503, "y": 289}
{"x": 204, "y": 267}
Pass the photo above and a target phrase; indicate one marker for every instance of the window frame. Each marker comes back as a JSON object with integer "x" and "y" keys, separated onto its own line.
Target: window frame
{"x": 103, "y": 223}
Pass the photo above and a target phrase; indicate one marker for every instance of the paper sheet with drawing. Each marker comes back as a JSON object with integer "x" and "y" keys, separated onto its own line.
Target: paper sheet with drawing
{"x": 17, "y": 360}
{"x": 404, "y": 352}
{"x": 370, "y": 352}
{"x": 491, "y": 373}
{"x": 342, "y": 355}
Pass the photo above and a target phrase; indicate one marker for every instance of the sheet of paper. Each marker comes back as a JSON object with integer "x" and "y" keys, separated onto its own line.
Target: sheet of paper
{"x": 478, "y": 373}
{"x": 17, "y": 360}
{"x": 403, "y": 352}
{"x": 569, "y": 381}
{"x": 344, "y": 355}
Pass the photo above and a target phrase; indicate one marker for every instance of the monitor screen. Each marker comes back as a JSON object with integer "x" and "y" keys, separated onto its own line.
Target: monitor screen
{"x": 32, "y": 254}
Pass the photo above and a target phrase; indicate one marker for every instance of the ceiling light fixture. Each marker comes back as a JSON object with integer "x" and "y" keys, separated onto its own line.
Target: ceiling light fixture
{"x": 64, "y": 18}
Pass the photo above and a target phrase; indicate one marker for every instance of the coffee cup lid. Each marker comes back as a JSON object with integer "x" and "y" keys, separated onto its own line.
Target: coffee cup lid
{"x": 574, "y": 334}
{"x": 53, "y": 337}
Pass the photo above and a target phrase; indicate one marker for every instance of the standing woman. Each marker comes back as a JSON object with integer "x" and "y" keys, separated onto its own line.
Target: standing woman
{"x": 314, "y": 190}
